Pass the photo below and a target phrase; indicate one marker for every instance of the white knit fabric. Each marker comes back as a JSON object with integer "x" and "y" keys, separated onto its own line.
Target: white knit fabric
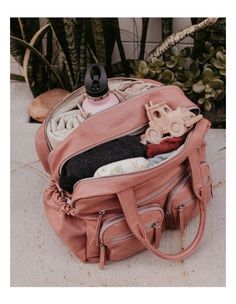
{"x": 62, "y": 124}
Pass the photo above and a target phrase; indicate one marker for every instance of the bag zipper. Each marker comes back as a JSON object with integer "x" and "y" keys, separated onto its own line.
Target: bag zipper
{"x": 120, "y": 218}
{"x": 183, "y": 181}
{"x": 161, "y": 190}
{"x": 129, "y": 235}
{"x": 177, "y": 189}
{"x": 185, "y": 203}
{"x": 100, "y": 216}
{"x": 139, "y": 202}
{"x": 116, "y": 137}
{"x": 84, "y": 180}
{"x": 155, "y": 225}
{"x": 101, "y": 142}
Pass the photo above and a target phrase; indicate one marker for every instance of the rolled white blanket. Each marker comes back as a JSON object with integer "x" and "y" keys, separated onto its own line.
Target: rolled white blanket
{"x": 123, "y": 167}
{"x": 61, "y": 125}
{"x": 129, "y": 89}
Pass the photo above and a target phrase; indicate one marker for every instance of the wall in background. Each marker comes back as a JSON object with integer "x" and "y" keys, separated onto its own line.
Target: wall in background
{"x": 131, "y": 29}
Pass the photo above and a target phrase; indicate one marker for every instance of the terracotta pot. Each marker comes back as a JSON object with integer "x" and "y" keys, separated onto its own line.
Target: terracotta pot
{"x": 42, "y": 105}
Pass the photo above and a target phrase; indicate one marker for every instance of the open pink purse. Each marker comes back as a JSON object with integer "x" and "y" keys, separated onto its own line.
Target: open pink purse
{"x": 114, "y": 217}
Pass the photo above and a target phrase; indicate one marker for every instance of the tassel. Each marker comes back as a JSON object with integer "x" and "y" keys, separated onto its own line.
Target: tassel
{"x": 102, "y": 261}
{"x": 181, "y": 218}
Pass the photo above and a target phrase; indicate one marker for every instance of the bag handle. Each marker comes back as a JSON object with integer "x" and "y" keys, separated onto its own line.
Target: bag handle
{"x": 128, "y": 204}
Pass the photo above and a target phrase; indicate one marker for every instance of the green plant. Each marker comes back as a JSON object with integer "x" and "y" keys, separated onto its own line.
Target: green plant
{"x": 220, "y": 63}
{"x": 166, "y": 30}
{"x": 145, "y": 22}
{"x": 177, "y": 37}
{"x": 56, "y": 54}
{"x": 215, "y": 34}
{"x": 209, "y": 89}
{"x": 203, "y": 80}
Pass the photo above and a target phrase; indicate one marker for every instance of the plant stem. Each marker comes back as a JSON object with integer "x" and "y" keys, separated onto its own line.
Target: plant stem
{"x": 16, "y": 77}
{"x": 121, "y": 49}
{"x": 177, "y": 37}
{"x": 145, "y": 22}
{"x": 40, "y": 56}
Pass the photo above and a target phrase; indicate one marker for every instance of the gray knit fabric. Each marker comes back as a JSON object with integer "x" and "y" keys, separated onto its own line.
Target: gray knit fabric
{"x": 84, "y": 165}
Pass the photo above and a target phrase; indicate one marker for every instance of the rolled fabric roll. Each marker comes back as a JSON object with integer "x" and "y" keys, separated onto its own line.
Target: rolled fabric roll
{"x": 61, "y": 125}
{"x": 123, "y": 167}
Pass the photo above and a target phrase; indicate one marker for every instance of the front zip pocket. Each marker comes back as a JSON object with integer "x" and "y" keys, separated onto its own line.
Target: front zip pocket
{"x": 182, "y": 205}
{"x": 117, "y": 242}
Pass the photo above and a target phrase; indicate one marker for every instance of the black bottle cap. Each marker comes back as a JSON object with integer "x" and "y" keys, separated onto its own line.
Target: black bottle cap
{"x": 96, "y": 80}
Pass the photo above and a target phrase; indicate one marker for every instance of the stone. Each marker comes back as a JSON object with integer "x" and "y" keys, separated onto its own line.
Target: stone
{"x": 40, "y": 107}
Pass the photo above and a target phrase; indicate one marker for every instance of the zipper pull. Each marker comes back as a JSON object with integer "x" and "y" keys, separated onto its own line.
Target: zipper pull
{"x": 181, "y": 218}
{"x": 98, "y": 226}
{"x": 157, "y": 233}
{"x": 102, "y": 261}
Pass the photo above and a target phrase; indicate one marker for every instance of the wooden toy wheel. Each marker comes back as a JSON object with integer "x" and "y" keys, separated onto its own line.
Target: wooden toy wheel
{"x": 177, "y": 128}
{"x": 154, "y": 135}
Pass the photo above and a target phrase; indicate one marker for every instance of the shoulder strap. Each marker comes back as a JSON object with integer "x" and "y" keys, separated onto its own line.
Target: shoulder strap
{"x": 128, "y": 204}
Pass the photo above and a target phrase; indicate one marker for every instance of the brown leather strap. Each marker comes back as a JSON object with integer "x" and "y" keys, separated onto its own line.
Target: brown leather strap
{"x": 128, "y": 204}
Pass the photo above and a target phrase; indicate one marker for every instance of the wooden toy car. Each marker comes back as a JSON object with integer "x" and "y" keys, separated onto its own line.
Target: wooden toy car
{"x": 163, "y": 120}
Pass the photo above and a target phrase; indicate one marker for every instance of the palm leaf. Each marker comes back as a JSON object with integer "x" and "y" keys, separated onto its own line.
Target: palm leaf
{"x": 109, "y": 30}
{"x": 99, "y": 42}
{"x": 49, "y": 47}
{"x": 166, "y": 31}
{"x": 49, "y": 51}
{"x": 17, "y": 77}
{"x": 28, "y": 26}
{"x": 59, "y": 29}
{"x": 41, "y": 57}
{"x": 145, "y": 22}
{"x": 36, "y": 76}
{"x": 166, "y": 27}
{"x": 23, "y": 28}
{"x": 121, "y": 48}
{"x": 17, "y": 51}
{"x": 83, "y": 57}
{"x": 70, "y": 32}
{"x": 93, "y": 56}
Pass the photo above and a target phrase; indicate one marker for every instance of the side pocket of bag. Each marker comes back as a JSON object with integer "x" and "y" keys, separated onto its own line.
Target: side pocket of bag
{"x": 117, "y": 242}
{"x": 93, "y": 224}
{"x": 66, "y": 225}
{"x": 181, "y": 205}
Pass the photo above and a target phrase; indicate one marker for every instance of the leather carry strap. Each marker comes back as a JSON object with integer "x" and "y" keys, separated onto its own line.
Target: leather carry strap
{"x": 129, "y": 207}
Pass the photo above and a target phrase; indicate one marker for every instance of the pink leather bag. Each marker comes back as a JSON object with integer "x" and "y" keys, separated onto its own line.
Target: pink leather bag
{"x": 114, "y": 217}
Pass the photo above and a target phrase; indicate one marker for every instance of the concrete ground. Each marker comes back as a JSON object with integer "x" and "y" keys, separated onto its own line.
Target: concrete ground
{"x": 39, "y": 258}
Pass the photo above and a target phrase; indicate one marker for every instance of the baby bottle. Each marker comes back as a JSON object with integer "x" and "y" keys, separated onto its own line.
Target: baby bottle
{"x": 98, "y": 96}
